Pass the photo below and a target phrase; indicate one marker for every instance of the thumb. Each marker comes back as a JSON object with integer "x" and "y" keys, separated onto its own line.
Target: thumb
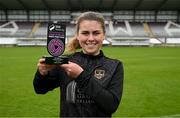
{"x": 64, "y": 66}
{"x": 70, "y": 62}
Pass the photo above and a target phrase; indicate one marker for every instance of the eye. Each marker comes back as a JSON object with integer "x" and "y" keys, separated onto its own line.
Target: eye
{"x": 96, "y": 33}
{"x": 85, "y": 33}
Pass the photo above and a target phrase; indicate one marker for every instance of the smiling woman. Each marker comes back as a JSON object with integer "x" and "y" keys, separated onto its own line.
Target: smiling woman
{"x": 91, "y": 83}
{"x": 90, "y": 37}
{"x": 90, "y": 28}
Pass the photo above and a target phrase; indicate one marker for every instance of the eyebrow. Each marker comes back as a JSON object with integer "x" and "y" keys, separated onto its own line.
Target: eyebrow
{"x": 93, "y": 31}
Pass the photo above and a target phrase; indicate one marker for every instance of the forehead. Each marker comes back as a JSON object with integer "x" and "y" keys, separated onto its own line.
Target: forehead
{"x": 90, "y": 24}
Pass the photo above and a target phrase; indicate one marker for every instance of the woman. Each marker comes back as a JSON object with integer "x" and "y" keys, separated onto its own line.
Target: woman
{"x": 91, "y": 83}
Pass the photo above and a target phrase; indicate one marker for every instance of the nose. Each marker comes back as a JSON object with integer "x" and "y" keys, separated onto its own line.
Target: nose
{"x": 91, "y": 37}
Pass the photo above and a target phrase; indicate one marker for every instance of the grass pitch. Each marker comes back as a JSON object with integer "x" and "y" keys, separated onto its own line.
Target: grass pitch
{"x": 151, "y": 82}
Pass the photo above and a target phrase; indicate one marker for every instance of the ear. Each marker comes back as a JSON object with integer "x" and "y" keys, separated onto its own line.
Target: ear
{"x": 104, "y": 37}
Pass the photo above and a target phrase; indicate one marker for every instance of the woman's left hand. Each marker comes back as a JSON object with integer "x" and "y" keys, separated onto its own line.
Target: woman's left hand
{"x": 73, "y": 70}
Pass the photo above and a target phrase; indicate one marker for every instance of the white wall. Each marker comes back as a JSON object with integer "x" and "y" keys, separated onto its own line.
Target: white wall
{"x": 7, "y": 41}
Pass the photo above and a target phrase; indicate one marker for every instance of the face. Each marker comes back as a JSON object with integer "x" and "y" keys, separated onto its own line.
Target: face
{"x": 90, "y": 36}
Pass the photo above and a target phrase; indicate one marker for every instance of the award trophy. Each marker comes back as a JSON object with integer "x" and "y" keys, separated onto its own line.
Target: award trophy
{"x": 56, "y": 36}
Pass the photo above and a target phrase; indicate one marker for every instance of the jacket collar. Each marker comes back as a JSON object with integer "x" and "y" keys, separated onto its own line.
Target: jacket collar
{"x": 101, "y": 54}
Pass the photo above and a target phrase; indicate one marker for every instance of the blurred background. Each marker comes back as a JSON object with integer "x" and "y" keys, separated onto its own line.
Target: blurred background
{"x": 129, "y": 22}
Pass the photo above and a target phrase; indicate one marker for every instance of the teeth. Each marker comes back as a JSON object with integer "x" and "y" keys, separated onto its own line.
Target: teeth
{"x": 90, "y": 44}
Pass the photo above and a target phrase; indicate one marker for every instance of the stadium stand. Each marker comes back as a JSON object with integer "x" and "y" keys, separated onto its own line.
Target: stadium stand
{"x": 118, "y": 33}
{"x": 132, "y": 22}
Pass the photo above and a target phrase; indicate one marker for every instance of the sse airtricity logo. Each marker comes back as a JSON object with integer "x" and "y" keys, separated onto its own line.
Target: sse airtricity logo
{"x": 56, "y": 47}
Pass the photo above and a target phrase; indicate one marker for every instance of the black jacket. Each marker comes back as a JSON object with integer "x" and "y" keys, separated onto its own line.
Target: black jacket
{"x": 96, "y": 92}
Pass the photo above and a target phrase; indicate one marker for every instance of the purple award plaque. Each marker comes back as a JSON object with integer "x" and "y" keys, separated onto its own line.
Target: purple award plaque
{"x": 56, "y": 44}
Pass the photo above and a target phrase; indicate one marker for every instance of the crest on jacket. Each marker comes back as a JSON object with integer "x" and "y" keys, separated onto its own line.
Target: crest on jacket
{"x": 99, "y": 74}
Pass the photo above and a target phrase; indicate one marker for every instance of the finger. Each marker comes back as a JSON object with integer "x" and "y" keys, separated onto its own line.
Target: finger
{"x": 40, "y": 64}
{"x": 49, "y": 67}
{"x": 44, "y": 72}
{"x": 68, "y": 73}
{"x": 70, "y": 62}
{"x": 64, "y": 66}
{"x": 69, "y": 70}
{"x": 42, "y": 60}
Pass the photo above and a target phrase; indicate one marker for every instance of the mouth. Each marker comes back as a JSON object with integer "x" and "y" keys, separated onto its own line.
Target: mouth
{"x": 90, "y": 45}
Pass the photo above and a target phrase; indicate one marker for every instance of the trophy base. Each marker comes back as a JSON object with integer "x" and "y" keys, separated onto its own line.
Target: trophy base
{"x": 56, "y": 60}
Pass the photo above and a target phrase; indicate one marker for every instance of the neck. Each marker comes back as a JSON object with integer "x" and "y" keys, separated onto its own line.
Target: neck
{"x": 93, "y": 54}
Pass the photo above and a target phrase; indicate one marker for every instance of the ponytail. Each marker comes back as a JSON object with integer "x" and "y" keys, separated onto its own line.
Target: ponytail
{"x": 73, "y": 45}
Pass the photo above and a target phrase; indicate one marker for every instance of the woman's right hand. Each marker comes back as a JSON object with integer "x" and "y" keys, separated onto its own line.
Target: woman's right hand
{"x": 44, "y": 68}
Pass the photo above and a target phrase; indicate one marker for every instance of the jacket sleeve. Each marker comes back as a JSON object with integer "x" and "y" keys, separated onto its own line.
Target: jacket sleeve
{"x": 43, "y": 84}
{"x": 108, "y": 98}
